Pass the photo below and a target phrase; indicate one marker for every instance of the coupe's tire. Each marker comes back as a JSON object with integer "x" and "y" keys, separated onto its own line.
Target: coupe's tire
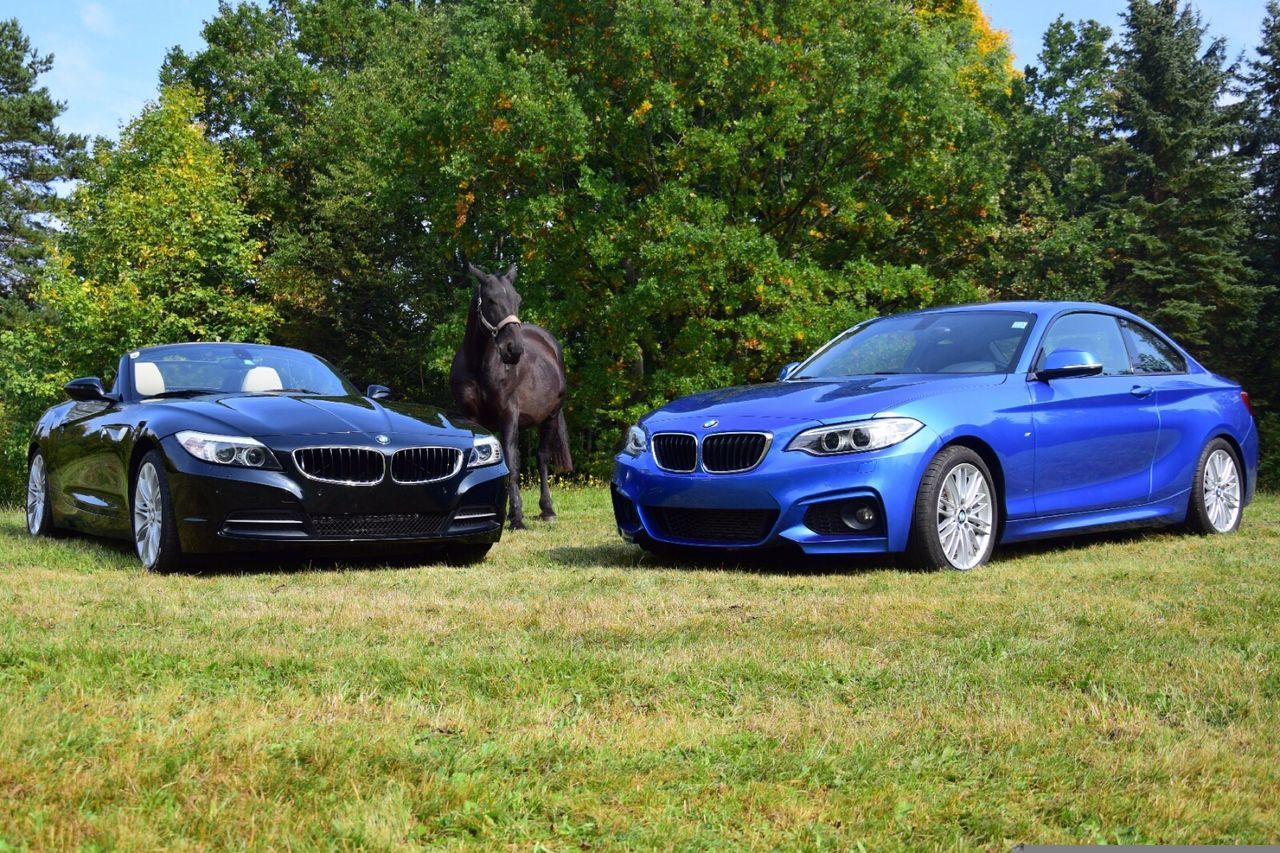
{"x": 1217, "y": 492}
{"x": 39, "y": 500}
{"x": 155, "y": 526}
{"x": 957, "y": 513}
{"x": 466, "y": 555}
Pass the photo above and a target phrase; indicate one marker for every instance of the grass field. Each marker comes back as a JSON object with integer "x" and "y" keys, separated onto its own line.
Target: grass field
{"x": 574, "y": 692}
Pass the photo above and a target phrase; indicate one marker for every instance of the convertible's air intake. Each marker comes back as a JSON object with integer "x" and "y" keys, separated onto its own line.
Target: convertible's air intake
{"x": 353, "y": 466}
{"x": 400, "y": 526}
{"x": 425, "y": 464}
{"x": 675, "y": 451}
{"x": 729, "y": 452}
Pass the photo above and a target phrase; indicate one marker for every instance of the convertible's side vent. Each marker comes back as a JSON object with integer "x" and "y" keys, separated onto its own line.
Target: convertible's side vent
{"x": 675, "y": 451}
{"x": 425, "y": 464}
{"x": 730, "y": 452}
{"x": 350, "y": 466}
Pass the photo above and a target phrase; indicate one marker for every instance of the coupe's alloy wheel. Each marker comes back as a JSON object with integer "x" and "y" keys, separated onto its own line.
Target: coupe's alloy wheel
{"x": 1221, "y": 490}
{"x": 148, "y": 517}
{"x": 964, "y": 516}
{"x": 36, "y": 495}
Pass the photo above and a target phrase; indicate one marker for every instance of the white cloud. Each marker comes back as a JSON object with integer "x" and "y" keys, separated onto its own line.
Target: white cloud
{"x": 98, "y": 19}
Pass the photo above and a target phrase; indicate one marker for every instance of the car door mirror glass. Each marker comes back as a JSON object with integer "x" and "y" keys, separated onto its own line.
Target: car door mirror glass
{"x": 378, "y": 392}
{"x": 1064, "y": 363}
{"x": 86, "y": 389}
{"x": 787, "y": 370}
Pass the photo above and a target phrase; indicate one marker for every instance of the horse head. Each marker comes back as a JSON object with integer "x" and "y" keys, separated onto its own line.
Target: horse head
{"x": 497, "y": 307}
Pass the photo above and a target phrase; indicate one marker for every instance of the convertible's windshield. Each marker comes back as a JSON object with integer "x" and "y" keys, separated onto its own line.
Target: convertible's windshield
{"x": 943, "y": 342}
{"x": 184, "y": 370}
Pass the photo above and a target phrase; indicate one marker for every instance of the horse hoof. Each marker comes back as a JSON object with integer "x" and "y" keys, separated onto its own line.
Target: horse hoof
{"x": 516, "y": 524}
{"x": 547, "y": 516}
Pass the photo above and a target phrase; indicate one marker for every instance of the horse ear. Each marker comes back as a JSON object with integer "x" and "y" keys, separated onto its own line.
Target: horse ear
{"x": 475, "y": 271}
{"x": 511, "y": 273}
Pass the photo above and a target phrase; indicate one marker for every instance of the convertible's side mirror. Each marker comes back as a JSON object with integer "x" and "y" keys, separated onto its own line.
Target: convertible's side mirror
{"x": 1063, "y": 363}
{"x": 378, "y": 392}
{"x": 787, "y": 370}
{"x": 86, "y": 389}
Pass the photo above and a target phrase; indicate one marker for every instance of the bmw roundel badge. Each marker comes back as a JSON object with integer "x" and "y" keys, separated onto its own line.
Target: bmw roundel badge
{"x": 382, "y": 439}
{"x": 711, "y": 423}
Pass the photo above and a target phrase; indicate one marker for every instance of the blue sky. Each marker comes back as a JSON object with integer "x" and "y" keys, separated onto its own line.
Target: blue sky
{"x": 108, "y": 52}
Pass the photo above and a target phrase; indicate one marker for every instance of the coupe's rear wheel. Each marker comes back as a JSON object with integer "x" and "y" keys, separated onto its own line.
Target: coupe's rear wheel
{"x": 39, "y": 509}
{"x": 956, "y": 513}
{"x": 155, "y": 529}
{"x": 1217, "y": 493}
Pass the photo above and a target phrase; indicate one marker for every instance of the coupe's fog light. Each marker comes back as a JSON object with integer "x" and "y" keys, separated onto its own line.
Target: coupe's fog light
{"x": 858, "y": 515}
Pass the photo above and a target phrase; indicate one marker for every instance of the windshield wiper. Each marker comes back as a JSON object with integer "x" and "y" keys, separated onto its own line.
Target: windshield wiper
{"x": 184, "y": 392}
{"x": 290, "y": 391}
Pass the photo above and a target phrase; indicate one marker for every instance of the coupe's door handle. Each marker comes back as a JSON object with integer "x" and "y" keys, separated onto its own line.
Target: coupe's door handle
{"x": 1141, "y": 390}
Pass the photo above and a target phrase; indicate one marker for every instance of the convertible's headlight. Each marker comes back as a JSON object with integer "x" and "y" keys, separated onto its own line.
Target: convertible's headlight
{"x": 485, "y": 450}
{"x": 227, "y": 449}
{"x": 635, "y": 442}
{"x": 858, "y": 437}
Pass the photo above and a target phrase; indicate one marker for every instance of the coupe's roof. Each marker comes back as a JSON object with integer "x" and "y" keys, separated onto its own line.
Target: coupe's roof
{"x": 1029, "y": 306}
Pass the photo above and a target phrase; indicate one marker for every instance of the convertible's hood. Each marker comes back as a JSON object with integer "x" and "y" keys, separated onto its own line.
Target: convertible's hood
{"x": 816, "y": 400}
{"x": 286, "y": 414}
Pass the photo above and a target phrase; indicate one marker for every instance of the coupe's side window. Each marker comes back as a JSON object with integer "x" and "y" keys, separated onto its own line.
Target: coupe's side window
{"x": 1096, "y": 334}
{"x": 1150, "y": 353}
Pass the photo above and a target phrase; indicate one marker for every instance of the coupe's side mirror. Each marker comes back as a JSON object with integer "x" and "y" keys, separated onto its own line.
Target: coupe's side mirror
{"x": 378, "y": 392}
{"x": 787, "y": 370}
{"x": 1063, "y": 363}
{"x": 86, "y": 389}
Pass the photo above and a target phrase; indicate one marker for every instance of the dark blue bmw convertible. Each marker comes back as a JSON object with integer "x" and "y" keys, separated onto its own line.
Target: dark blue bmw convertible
{"x": 941, "y": 433}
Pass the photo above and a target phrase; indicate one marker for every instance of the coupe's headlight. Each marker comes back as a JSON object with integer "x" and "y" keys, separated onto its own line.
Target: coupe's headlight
{"x": 858, "y": 437}
{"x": 485, "y": 450}
{"x": 635, "y": 443}
{"x": 227, "y": 449}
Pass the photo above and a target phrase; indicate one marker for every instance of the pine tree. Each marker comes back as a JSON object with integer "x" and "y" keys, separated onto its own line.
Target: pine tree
{"x": 1177, "y": 184}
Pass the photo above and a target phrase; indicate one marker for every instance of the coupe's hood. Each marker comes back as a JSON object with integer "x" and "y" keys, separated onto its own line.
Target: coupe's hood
{"x": 816, "y": 400}
{"x": 285, "y": 414}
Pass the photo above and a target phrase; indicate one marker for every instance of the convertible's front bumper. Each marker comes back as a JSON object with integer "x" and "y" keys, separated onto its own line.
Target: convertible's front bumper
{"x": 224, "y": 508}
{"x": 770, "y": 504}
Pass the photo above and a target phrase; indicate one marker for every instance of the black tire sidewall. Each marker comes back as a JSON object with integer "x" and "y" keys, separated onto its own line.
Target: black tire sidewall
{"x": 170, "y": 554}
{"x": 1197, "y": 513}
{"x": 925, "y": 546}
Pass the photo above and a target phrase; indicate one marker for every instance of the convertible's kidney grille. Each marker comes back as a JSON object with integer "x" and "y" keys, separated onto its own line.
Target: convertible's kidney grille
{"x": 725, "y": 453}
{"x": 675, "y": 451}
{"x": 400, "y": 526}
{"x": 712, "y": 525}
{"x": 349, "y": 465}
{"x": 424, "y": 464}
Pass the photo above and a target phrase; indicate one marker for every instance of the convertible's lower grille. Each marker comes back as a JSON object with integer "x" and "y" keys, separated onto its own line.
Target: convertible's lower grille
{"x": 724, "y": 453}
{"x": 358, "y": 466}
{"x": 380, "y": 526}
{"x": 424, "y": 464}
{"x": 675, "y": 451}
{"x": 712, "y": 525}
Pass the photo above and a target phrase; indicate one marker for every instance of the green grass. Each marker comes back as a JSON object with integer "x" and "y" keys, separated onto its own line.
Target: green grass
{"x": 572, "y": 691}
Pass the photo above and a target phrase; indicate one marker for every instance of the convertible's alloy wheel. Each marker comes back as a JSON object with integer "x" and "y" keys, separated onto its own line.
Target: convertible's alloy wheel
{"x": 964, "y": 516}
{"x": 1221, "y": 490}
{"x": 36, "y": 495}
{"x": 148, "y": 520}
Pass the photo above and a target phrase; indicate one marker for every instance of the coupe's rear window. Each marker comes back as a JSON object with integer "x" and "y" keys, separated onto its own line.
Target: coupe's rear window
{"x": 943, "y": 342}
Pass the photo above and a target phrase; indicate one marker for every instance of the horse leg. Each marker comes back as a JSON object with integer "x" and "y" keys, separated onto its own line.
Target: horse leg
{"x": 544, "y": 459}
{"x": 511, "y": 447}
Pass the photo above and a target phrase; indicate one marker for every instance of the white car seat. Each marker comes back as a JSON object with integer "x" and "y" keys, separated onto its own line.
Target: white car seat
{"x": 260, "y": 379}
{"x": 148, "y": 381}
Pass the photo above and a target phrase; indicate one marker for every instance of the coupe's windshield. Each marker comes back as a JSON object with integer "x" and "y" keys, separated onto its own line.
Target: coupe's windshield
{"x": 943, "y": 342}
{"x": 184, "y": 370}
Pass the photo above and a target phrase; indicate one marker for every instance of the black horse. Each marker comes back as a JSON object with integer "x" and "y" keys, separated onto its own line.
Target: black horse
{"x": 508, "y": 376}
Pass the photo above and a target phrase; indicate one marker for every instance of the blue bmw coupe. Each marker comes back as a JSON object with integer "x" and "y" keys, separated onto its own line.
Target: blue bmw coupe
{"x": 942, "y": 432}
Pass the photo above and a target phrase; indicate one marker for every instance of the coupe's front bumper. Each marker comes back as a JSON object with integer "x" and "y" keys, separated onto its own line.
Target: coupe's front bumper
{"x": 774, "y": 503}
{"x": 223, "y": 508}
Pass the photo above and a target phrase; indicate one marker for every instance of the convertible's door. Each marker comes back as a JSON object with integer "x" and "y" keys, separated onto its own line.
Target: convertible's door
{"x": 90, "y": 467}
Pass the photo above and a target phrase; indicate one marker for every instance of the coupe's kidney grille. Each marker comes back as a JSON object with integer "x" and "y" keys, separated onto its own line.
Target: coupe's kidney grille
{"x": 424, "y": 464}
{"x": 713, "y": 525}
{"x": 675, "y": 452}
{"x": 380, "y": 526}
{"x": 354, "y": 465}
{"x": 735, "y": 451}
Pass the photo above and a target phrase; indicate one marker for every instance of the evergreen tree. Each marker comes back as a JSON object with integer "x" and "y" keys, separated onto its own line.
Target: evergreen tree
{"x": 1177, "y": 185}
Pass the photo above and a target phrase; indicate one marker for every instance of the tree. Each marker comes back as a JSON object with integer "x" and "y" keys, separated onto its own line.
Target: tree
{"x": 156, "y": 250}
{"x": 33, "y": 155}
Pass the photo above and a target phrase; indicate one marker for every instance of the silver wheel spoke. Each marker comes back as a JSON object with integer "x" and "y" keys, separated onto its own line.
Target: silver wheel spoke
{"x": 36, "y": 495}
{"x": 1221, "y": 491}
{"x": 965, "y": 516}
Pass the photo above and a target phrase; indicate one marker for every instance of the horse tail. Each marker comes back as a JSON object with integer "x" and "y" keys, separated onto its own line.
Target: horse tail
{"x": 560, "y": 443}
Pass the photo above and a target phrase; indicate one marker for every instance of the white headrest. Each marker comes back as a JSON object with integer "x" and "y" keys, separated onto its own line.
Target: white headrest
{"x": 147, "y": 379}
{"x": 262, "y": 379}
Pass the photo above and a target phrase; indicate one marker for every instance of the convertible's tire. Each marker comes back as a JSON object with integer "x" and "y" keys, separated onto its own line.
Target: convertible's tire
{"x": 154, "y": 523}
{"x": 957, "y": 512}
{"x": 466, "y": 554}
{"x": 39, "y": 499}
{"x": 1217, "y": 491}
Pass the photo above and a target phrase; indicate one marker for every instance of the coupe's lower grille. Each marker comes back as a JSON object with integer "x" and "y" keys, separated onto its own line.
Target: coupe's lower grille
{"x": 675, "y": 451}
{"x": 380, "y": 526}
{"x": 349, "y": 465}
{"x": 724, "y": 453}
{"x": 712, "y": 525}
{"x": 424, "y": 464}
